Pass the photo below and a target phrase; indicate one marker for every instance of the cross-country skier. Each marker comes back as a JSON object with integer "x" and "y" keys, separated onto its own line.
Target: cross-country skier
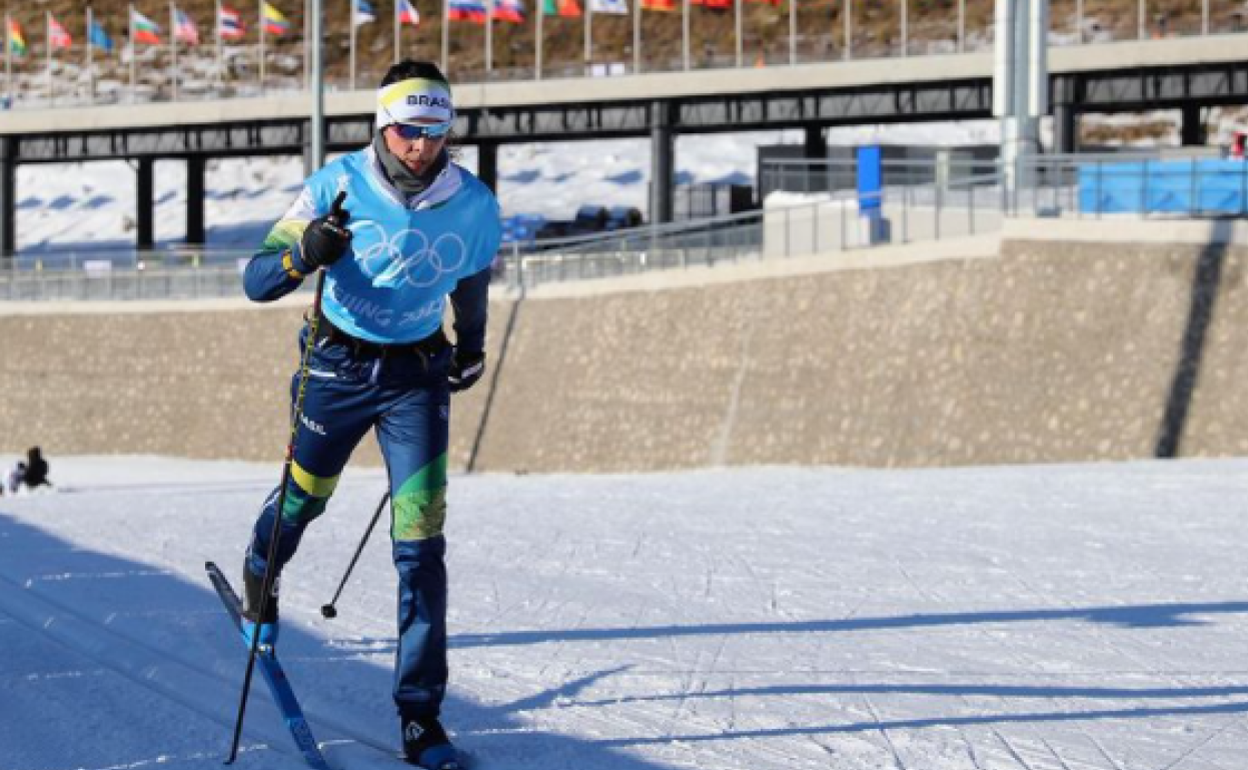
{"x": 413, "y": 229}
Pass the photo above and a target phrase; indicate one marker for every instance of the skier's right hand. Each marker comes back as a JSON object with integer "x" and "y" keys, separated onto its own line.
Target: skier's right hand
{"x": 327, "y": 237}
{"x": 466, "y": 369}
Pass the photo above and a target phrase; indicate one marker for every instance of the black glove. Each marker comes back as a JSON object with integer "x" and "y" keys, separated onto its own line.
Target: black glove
{"x": 466, "y": 369}
{"x": 327, "y": 237}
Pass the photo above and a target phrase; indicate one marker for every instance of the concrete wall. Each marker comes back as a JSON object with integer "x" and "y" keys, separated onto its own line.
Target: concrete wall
{"x": 1050, "y": 351}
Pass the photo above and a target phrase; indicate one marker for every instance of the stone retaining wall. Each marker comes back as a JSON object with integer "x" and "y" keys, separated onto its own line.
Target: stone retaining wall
{"x": 1050, "y": 352}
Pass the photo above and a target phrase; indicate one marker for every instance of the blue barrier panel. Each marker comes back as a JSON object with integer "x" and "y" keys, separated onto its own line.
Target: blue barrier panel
{"x": 870, "y": 180}
{"x": 1212, "y": 186}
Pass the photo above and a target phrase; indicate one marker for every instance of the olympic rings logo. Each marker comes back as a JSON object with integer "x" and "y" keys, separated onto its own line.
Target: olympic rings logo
{"x": 407, "y": 256}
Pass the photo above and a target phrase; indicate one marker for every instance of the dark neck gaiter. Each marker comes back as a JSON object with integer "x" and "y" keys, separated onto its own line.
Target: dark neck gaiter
{"x": 401, "y": 176}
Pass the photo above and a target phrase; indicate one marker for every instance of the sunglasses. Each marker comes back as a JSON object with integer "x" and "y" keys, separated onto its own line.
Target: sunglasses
{"x": 412, "y": 132}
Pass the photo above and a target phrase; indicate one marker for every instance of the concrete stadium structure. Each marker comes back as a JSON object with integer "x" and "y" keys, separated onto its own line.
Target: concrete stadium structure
{"x": 1059, "y": 341}
{"x": 1181, "y": 73}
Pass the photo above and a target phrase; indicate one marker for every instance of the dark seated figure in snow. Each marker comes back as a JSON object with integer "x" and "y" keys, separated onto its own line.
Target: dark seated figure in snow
{"x": 36, "y": 474}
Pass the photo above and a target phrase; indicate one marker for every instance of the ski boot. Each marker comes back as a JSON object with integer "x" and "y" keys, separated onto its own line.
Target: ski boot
{"x": 426, "y": 745}
{"x": 253, "y": 586}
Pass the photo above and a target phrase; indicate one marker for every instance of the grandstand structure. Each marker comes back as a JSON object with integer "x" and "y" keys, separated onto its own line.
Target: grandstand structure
{"x": 1171, "y": 71}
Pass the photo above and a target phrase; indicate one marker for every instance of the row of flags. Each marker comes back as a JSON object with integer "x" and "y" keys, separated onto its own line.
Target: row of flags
{"x": 230, "y": 22}
{"x": 405, "y": 12}
{"x": 230, "y": 26}
{"x": 477, "y": 11}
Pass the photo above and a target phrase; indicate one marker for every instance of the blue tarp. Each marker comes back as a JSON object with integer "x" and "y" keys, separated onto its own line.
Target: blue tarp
{"x": 522, "y": 227}
{"x": 1211, "y": 186}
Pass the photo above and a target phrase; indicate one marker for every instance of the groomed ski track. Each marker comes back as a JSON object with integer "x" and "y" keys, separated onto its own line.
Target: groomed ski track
{"x": 1035, "y": 618}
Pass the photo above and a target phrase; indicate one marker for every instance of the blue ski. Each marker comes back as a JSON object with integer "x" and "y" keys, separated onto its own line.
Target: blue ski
{"x": 279, "y": 685}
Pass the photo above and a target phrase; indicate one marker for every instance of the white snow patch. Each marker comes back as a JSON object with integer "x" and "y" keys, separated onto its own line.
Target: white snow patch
{"x": 737, "y": 619}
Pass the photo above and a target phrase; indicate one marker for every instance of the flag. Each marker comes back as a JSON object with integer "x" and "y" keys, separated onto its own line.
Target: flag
{"x": 184, "y": 31}
{"x": 610, "y": 7}
{"x": 274, "y": 22}
{"x": 509, "y": 10}
{"x": 408, "y": 13}
{"x": 230, "y": 24}
{"x": 466, "y": 10}
{"x": 667, "y": 6}
{"x": 145, "y": 30}
{"x": 569, "y": 9}
{"x": 57, "y": 36}
{"x": 17, "y": 41}
{"x": 363, "y": 12}
{"x": 99, "y": 38}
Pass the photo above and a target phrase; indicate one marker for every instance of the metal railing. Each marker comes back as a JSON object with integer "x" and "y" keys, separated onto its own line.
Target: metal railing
{"x": 1192, "y": 184}
{"x": 625, "y": 252}
{"x": 916, "y": 204}
{"x": 920, "y": 200}
{"x": 832, "y": 222}
{"x": 814, "y": 175}
{"x": 122, "y": 275}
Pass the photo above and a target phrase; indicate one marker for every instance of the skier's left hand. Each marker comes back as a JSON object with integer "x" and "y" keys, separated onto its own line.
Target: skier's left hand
{"x": 466, "y": 369}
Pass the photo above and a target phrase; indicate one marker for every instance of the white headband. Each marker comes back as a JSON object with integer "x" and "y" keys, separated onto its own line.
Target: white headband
{"x": 416, "y": 100}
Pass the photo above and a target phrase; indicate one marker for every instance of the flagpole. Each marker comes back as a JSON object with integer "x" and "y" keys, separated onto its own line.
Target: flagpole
{"x": 90, "y": 56}
{"x": 489, "y": 36}
{"x": 737, "y": 6}
{"x": 173, "y": 43}
{"x": 318, "y": 89}
{"x": 961, "y": 26}
{"x": 636, "y": 37}
{"x": 220, "y": 53}
{"x": 446, "y": 32}
{"x": 47, "y": 24}
{"x": 589, "y": 37}
{"x": 8, "y": 58}
{"x": 397, "y": 28}
{"x": 351, "y": 20}
{"x": 307, "y": 37}
{"x": 262, "y": 36}
{"x": 684, "y": 32}
{"x": 134, "y": 53}
{"x": 905, "y": 28}
{"x": 792, "y": 32}
{"x": 849, "y": 30}
{"x": 540, "y": 7}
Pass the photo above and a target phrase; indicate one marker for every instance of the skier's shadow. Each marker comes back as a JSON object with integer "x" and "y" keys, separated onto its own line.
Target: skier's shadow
{"x": 349, "y": 682}
{"x": 160, "y": 613}
{"x": 1135, "y": 616}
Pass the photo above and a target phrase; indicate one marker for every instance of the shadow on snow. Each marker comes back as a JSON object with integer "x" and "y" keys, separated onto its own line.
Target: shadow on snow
{"x": 1134, "y": 616}
{"x": 137, "y": 601}
{"x": 351, "y": 679}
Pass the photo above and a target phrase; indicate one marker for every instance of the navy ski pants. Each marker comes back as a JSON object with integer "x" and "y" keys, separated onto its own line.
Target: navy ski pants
{"x": 402, "y": 394}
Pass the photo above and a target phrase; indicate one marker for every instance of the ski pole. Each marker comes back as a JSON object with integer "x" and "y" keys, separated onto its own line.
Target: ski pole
{"x": 271, "y": 556}
{"x": 328, "y": 610}
{"x": 309, "y": 341}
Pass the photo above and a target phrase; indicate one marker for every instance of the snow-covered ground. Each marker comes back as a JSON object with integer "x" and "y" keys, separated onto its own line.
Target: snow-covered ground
{"x": 1040, "y": 618}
